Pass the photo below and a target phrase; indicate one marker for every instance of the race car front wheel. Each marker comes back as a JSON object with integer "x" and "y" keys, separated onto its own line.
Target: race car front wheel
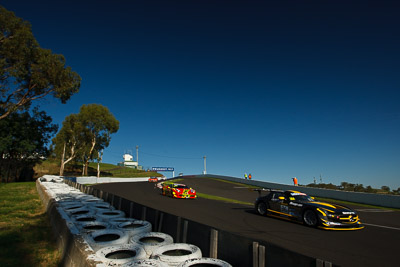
{"x": 262, "y": 208}
{"x": 310, "y": 218}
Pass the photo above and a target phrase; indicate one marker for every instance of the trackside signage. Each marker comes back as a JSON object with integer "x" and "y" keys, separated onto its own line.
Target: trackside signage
{"x": 162, "y": 169}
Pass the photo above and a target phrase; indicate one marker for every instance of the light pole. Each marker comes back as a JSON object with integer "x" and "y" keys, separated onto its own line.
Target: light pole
{"x": 205, "y": 165}
{"x": 137, "y": 155}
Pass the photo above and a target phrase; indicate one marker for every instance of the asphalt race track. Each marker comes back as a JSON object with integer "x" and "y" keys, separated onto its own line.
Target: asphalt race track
{"x": 375, "y": 245}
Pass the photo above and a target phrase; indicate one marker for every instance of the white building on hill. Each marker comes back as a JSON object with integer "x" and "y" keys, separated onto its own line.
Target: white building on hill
{"x": 129, "y": 162}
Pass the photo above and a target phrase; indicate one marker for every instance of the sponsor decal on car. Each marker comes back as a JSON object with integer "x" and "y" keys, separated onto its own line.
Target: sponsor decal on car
{"x": 298, "y": 194}
{"x": 334, "y": 223}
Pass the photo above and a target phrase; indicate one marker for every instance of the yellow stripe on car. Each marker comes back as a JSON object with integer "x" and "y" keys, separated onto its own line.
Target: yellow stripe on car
{"x": 325, "y": 204}
{"x": 323, "y": 213}
{"x": 341, "y": 229}
{"x": 281, "y": 213}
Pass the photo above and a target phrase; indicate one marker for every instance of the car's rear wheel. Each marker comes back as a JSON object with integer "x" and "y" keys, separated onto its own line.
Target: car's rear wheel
{"x": 262, "y": 208}
{"x": 310, "y": 218}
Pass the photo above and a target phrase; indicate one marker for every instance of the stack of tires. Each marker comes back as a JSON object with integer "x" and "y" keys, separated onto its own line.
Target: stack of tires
{"x": 117, "y": 240}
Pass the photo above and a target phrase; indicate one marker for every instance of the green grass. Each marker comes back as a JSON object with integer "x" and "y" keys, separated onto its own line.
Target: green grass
{"x": 110, "y": 170}
{"x": 235, "y": 183}
{"x": 223, "y": 199}
{"x": 52, "y": 167}
{"x": 104, "y": 166}
{"x": 175, "y": 180}
{"x": 25, "y": 232}
{"x": 329, "y": 200}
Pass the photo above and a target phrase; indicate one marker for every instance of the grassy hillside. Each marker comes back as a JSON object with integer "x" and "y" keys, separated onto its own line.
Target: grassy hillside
{"x": 25, "y": 238}
{"x": 52, "y": 167}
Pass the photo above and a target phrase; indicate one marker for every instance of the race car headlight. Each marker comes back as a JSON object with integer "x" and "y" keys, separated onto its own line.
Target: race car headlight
{"x": 332, "y": 216}
{"x": 327, "y": 213}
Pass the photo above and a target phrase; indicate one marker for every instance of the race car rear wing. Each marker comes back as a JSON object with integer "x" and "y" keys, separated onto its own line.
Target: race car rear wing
{"x": 259, "y": 190}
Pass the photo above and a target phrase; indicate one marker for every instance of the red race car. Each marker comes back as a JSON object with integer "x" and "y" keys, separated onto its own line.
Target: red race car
{"x": 178, "y": 190}
{"x": 153, "y": 179}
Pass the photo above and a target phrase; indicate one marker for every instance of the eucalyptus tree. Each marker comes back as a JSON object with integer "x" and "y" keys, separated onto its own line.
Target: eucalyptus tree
{"x": 27, "y": 71}
{"x": 68, "y": 143}
{"x": 84, "y": 135}
{"x": 385, "y": 188}
{"x": 99, "y": 123}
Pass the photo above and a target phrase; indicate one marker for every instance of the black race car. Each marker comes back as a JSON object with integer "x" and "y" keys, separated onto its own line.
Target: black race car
{"x": 299, "y": 207}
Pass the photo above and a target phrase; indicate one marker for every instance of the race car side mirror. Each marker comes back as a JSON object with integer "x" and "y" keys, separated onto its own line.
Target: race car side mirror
{"x": 281, "y": 198}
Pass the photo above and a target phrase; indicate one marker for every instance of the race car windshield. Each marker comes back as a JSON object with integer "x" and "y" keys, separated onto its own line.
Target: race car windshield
{"x": 303, "y": 198}
{"x": 181, "y": 187}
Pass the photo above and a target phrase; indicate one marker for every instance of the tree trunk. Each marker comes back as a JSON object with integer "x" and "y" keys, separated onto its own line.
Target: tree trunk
{"x": 90, "y": 155}
{"x": 100, "y": 158}
{"x": 62, "y": 161}
{"x": 86, "y": 166}
{"x": 70, "y": 158}
{"x": 83, "y": 165}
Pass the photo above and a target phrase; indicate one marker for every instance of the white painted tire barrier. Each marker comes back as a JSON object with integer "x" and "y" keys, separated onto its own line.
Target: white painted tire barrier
{"x": 105, "y": 238}
{"x": 117, "y": 255}
{"x": 205, "y": 261}
{"x": 135, "y": 227}
{"x": 131, "y": 242}
{"x": 98, "y": 205}
{"x": 110, "y": 214}
{"x": 68, "y": 206}
{"x": 70, "y": 201}
{"x": 145, "y": 263}
{"x": 83, "y": 197}
{"x": 88, "y": 227}
{"x": 151, "y": 241}
{"x": 86, "y": 218}
{"x": 97, "y": 201}
{"x": 51, "y": 178}
{"x": 175, "y": 254}
{"x": 67, "y": 193}
{"x": 65, "y": 199}
{"x": 90, "y": 199}
{"x": 79, "y": 211}
{"x": 116, "y": 221}
{"x": 99, "y": 208}
{"x": 55, "y": 179}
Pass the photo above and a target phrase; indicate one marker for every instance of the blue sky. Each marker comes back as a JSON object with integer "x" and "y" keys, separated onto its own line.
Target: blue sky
{"x": 278, "y": 89}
